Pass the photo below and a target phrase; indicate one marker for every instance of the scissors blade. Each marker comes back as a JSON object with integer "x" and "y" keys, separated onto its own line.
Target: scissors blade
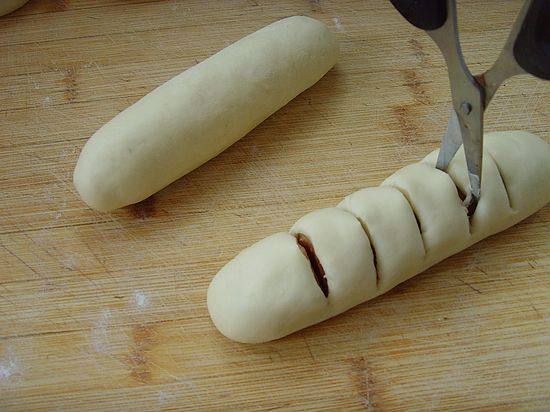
{"x": 471, "y": 126}
{"x": 451, "y": 142}
{"x": 465, "y": 129}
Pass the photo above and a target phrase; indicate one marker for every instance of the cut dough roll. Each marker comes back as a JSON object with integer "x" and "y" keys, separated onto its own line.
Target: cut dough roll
{"x": 199, "y": 113}
{"x": 375, "y": 239}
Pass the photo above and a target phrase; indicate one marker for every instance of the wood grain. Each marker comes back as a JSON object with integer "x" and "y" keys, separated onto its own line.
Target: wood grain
{"x": 107, "y": 311}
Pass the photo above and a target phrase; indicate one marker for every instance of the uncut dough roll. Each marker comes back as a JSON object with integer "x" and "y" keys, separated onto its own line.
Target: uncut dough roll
{"x": 7, "y": 6}
{"x": 199, "y": 113}
{"x": 376, "y": 238}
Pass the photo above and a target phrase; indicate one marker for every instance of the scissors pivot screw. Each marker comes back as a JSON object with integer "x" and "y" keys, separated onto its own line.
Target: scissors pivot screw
{"x": 466, "y": 108}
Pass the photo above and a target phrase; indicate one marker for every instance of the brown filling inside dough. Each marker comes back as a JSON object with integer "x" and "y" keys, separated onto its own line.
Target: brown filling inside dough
{"x": 307, "y": 249}
{"x": 461, "y": 194}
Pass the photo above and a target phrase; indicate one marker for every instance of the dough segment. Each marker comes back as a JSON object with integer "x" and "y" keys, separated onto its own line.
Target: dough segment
{"x": 199, "y": 113}
{"x": 525, "y": 188}
{"x": 269, "y": 289}
{"x": 391, "y": 225}
{"x": 493, "y": 209}
{"x": 434, "y": 199}
{"x": 344, "y": 252}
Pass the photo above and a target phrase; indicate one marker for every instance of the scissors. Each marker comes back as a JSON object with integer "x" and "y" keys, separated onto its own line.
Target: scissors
{"x": 527, "y": 51}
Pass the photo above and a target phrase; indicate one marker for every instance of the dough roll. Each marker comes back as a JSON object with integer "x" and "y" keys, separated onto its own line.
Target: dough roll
{"x": 376, "y": 238}
{"x": 199, "y": 113}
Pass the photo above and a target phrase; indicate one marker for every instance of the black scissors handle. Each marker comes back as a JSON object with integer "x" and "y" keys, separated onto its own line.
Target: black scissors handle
{"x": 424, "y": 14}
{"x": 532, "y": 46}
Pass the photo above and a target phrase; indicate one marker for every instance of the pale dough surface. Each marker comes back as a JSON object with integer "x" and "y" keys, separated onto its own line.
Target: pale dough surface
{"x": 7, "y": 6}
{"x": 388, "y": 219}
{"x": 199, "y": 113}
{"x": 410, "y": 222}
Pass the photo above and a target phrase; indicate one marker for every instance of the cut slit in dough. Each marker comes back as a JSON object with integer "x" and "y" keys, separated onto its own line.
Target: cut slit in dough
{"x": 394, "y": 241}
{"x": 372, "y": 240}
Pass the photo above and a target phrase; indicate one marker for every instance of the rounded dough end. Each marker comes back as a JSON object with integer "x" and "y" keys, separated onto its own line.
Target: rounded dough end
{"x": 91, "y": 190}
{"x": 266, "y": 292}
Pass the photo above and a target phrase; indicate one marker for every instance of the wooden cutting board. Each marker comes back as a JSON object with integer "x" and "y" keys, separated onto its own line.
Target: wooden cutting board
{"x": 108, "y": 312}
